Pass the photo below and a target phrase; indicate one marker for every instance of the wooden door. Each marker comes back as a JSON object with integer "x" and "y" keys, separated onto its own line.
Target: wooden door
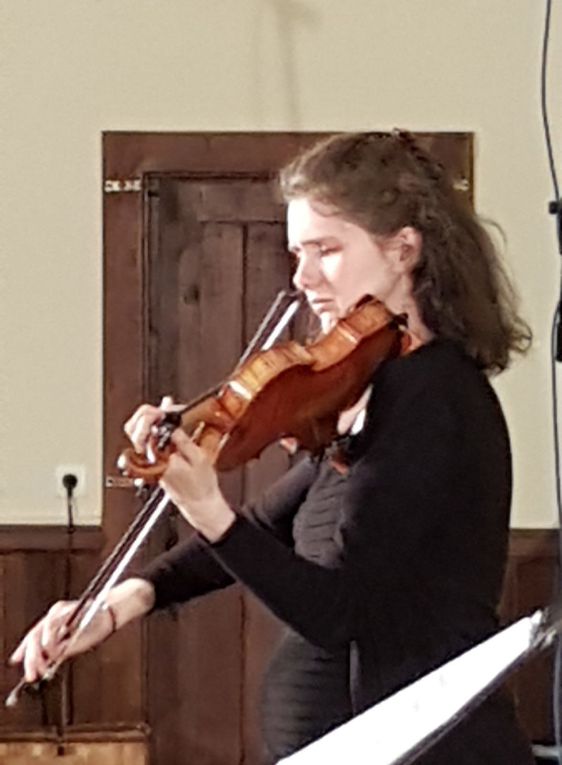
{"x": 216, "y": 258}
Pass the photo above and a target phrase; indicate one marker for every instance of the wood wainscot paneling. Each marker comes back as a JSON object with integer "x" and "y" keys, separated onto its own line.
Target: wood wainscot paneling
{"x": 34, "y": 573}
{"x": 530, "y": 583}
{"x": 34, "y": 563}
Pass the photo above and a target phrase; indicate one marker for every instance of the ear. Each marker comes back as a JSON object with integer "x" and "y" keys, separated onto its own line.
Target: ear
{"x": 405, "y": 249}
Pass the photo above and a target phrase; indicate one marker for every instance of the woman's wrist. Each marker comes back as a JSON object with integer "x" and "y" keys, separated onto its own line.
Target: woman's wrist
{"x": 112, "y": 617}
{"x": 129, "y": 600}
{"x": 216, "y": 521}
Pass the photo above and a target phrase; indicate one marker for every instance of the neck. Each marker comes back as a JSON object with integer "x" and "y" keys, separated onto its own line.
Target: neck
{"x": 419, "y": 333}
{"x": 418, "y": 330}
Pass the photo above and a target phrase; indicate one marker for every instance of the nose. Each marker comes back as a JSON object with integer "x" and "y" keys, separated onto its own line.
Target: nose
{"x": 307, "y": 274}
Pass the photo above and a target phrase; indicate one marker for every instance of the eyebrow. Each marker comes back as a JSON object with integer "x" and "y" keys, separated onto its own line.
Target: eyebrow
{"x": 318, "y": 241}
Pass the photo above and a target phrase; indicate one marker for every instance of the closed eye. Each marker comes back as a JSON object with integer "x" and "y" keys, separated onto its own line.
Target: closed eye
{"x": 314, "y": 248}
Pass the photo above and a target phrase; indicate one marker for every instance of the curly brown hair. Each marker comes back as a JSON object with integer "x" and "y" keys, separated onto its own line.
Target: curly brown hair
{"x": 385, "y": 181}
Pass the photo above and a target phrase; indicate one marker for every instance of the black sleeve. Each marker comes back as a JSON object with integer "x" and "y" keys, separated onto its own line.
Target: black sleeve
{"x": 188, "y": 570}
{"x": 394, "y": 497}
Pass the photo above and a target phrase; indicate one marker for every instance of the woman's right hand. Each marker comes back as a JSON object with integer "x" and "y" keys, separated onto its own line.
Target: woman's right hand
{"x": 46, "y": 641}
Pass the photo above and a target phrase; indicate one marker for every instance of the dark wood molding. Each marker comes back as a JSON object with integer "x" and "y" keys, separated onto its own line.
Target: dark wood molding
{"x": 132, "y": 154}
{"x": 531, "y": 543}
{"x": 523, "y": 543}
{"x": 49, "y": 538}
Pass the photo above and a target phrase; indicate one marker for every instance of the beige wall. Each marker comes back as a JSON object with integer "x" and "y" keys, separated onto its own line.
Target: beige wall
{"x": 70, "y": 69}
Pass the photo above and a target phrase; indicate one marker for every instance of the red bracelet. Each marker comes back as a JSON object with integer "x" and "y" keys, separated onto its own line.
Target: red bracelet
{"x": 111, "y": 611}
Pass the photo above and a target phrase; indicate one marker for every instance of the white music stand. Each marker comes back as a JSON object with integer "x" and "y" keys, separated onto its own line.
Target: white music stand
{"x": 431, "y": 705}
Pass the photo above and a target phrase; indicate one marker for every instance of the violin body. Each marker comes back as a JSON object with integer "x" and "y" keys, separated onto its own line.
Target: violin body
{"x": 291, "y": 390}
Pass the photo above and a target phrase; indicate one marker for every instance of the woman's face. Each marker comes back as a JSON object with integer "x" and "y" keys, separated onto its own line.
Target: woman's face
{"x": 338, "y": 262}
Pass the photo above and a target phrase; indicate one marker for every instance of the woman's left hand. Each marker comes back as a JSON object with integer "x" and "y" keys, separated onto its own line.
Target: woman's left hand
{"x": 191, "y": 483}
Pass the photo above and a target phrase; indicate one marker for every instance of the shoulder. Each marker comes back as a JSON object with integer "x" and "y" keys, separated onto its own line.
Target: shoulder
{"x": 435, "y": 359}
{"x": 439, "y": 368}
{"x": 438, "y": 383}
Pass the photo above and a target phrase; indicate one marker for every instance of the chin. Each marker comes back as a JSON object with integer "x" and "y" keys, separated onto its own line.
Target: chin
{"x": 327, "y": 321}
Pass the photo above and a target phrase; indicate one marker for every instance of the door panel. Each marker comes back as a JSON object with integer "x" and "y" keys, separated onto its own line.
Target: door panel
{"x": 216, "y": 260}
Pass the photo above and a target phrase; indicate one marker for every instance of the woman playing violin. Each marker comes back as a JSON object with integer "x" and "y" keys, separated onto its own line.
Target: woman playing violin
{"x": 385, "y": 570}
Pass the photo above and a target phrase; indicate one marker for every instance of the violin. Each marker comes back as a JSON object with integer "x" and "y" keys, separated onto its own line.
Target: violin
{"x": 291, "y": 391}
{"x": 285, "y": 391}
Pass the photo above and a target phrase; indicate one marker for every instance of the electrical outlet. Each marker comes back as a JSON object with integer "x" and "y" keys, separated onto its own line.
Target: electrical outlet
{"x": 79, "y": 471}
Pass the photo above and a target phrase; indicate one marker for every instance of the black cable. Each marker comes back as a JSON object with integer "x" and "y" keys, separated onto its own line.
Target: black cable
{"x": 66, "y": 718}
{"x": 554, "y": 208}
{"x": 70, "y": 482}
{"x": 544, "y": 110}
{"x": 556, "y": 688}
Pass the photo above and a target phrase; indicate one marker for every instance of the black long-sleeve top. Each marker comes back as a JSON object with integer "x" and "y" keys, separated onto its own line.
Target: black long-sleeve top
{"x": 383, "y": 573}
